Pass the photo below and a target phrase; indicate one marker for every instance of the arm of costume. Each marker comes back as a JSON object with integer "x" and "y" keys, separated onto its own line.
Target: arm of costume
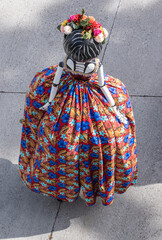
{"x": 108, "y": 95}
{"x": 54, "y": 86}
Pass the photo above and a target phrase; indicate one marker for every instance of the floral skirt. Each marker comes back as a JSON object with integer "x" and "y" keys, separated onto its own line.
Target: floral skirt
{"x": 79, "y": 142}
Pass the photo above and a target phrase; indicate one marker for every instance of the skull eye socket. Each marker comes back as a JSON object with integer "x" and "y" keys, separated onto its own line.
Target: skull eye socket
{"x": 90, "y": 68}
{"x": 70, "y": 64}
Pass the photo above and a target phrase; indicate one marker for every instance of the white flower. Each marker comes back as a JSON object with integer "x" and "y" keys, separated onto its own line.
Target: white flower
{"x": 105, "y": 33}
{"x": 99, "y": 38}
{"x": 67, "y": 30}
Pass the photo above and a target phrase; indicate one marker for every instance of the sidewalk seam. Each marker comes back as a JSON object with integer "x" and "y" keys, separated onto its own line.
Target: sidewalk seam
{"x": 111, "y": 29}
{"x": 53, "y": 226}
{"x": 131, "y": 95}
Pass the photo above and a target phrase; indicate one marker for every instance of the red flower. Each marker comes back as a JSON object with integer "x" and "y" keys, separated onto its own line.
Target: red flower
{"x": 87, "y": 28}
{"x": 77, "y": 18}
{"x": 91, "y": 21}
{"x": 95, "y": 24}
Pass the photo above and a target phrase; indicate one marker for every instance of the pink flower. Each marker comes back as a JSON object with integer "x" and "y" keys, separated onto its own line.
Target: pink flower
{"x": 99, "y": 38}
{"x": 72, "y": 17}
{"x": 96, "y": 32}
{"x": 62, "y": 28}
{"x": 69, "y": 20}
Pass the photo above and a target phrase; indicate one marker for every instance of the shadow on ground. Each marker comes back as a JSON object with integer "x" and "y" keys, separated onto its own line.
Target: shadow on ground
{"x": 24, "y": 213}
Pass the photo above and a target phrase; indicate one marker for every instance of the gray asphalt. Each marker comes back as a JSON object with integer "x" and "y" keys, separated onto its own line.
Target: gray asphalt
{"x": 30, "y": 42}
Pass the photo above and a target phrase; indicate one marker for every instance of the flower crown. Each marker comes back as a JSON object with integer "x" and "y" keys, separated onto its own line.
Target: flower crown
{"x": 91, "y": 28}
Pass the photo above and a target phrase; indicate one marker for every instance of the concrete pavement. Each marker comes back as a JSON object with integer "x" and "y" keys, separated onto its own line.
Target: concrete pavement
{"x": 29, "y": 43}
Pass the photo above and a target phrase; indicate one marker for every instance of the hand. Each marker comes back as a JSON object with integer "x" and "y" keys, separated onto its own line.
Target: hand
{"x": 45, "y": 107}
{"x": 120, "y": 115}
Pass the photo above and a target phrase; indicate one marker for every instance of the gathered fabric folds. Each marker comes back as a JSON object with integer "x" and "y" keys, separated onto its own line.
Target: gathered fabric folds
{"x": 79, "y": 142}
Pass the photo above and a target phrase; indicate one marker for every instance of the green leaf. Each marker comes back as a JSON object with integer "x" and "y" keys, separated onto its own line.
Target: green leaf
{"x": 74, "y": 26}
{"x": 58, "y": 27}
{"x": 82, "y": 13}
{"x": 88, "y": 35}
{"x": 103, "y": 41}
{"x": 84, "y": 22}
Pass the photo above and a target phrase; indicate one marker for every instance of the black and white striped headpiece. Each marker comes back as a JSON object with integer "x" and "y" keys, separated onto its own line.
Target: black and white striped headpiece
{"x": 80, "y": 49}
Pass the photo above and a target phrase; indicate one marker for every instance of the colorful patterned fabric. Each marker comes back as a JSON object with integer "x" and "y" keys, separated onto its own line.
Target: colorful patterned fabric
{"x": 78, "y": 142}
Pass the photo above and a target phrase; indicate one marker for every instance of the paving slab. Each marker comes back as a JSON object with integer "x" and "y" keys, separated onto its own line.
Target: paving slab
{"x": 30, "y": 40}
{"x": 134, "y": 54}
{"x": 11, "y": 108}
{"x": 148, "y": 116}
{"x": 133, "y": 215}
{"x": 23, "y": 213}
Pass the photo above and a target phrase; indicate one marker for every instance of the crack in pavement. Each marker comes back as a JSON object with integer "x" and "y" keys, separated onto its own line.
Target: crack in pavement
{"x": 109, "y": 35}
{"x": 53, "y": 227}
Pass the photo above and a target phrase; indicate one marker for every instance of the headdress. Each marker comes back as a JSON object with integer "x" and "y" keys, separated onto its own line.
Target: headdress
{"x": 89, "y": 26}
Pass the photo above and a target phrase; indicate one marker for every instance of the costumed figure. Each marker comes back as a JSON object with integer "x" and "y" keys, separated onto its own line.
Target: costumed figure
{"x": 78, "y": 128}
